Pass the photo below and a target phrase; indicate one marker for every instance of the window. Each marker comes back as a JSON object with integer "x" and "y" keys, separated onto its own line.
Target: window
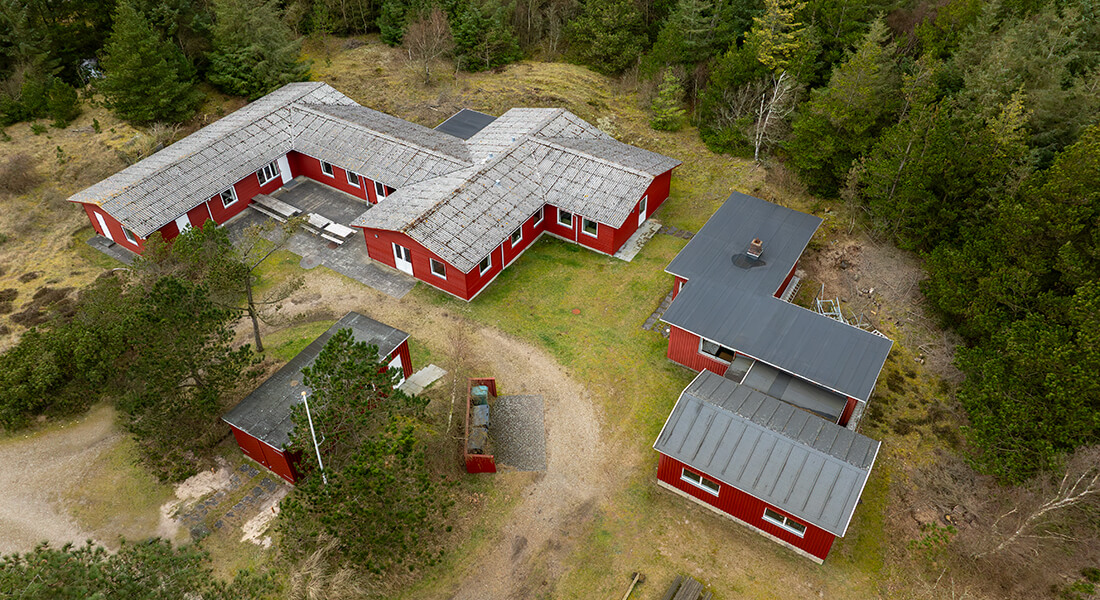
{"x": 353, "y": 178}
{"x": 229, "y": 197}
{"x": 439, "y": 269}
{"x": 699, "y": 481}
{"x": 590, "y": 227}
{"x": 129, "y": 235}
{"x": 785, "y": 522}
{"x": 565, "y": 218}
{"x": 718, "y": 351}
{"x": 539, "y": 215}
{"x": 379, "y": 189}
{"x": 268, "y": 173}
{"x": 517, "y": 236}
{"x": 327, "y": 169}
{"x": 483, "y": 266}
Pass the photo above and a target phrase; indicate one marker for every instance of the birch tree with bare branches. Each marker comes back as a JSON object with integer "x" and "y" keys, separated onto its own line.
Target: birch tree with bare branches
{"x": 429, "y": 39}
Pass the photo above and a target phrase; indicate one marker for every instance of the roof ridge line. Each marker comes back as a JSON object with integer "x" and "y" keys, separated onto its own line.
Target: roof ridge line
{"x": 549, "y": 142}
{"x": 309, "y": 108}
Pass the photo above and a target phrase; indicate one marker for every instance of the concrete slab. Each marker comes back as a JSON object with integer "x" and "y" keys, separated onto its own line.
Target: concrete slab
{"x": 518, "y": 432}
{"x": 636, "y": 242}
{"x": 421, "y": 379}
{"x": 112, "y": 249}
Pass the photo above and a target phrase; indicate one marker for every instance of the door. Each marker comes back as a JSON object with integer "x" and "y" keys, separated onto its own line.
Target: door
{"x": 642, "y": 210}
{"x": 103, "y": 227}
{"x": 403, "y": 257}
{"x": 183, "y": 223}
{"x": 396, "y": 364}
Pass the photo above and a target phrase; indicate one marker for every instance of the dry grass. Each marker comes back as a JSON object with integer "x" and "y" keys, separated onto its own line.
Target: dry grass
{"x": 18, "y": 174}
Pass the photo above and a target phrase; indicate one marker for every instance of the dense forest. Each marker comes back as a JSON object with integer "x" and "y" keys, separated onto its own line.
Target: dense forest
{"x": 964, "y": 130}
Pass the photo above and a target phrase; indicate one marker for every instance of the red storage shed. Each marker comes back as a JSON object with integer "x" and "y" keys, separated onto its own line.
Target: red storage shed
{"x": 784, "y": 472}
{"x": 261, "y": 422}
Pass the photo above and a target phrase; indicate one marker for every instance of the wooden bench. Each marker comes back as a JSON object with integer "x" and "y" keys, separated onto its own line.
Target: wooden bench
{"x": 335, "y": 232}
{"x": 274, "y": 207}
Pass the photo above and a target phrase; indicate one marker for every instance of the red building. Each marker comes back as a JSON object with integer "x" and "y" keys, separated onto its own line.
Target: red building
{"x": 781, "y": 471}
{"x": 731, "y": 314}
{"x": 450, "y": 206}
{"x": 261, "y": 422}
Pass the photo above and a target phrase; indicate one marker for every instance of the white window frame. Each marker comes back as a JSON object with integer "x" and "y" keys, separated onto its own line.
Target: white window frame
{"x": 232, "y": 194}
{"x": 784, "y": 522}
{"x": 540, "y": 214}
{"x": 516, "y": 237}
{"x": 350, "y": 176}
{"x": 331, "y": 172}
{"x": 584, "y": 227}
{"x": 441, "y": 266}
{"x": 699, "y": 481}
{"x": 703, "y": 340}
{"x": 263, "y": 176}
{"x": 561, "y": 221}
{"x": 485, "y": 264}
{"x": 130, "y": 237}
{"x": 379, "y": 189}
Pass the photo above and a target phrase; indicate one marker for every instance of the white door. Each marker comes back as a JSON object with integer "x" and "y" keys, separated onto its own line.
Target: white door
{"x": 396, "y": 364}
{"x": 183, "y": 223}
{"x": 403, "y": 257}
{"x": 284, "y": 169}
{"x": 103, "y": 227}
{"x": 642, "y": 210}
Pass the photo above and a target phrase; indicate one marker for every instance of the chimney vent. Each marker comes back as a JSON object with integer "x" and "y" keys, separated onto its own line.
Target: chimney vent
{"x": 755, "y": 248}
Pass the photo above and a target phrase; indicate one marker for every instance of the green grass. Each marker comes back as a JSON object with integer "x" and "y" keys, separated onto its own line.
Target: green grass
{"x": 285, "y": 344}
{"x": 94, "y": 257}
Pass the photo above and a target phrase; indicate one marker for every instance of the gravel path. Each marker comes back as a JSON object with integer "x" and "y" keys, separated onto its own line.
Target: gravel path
{"x": 519, "y": 432}
{"x": 37, "y": 469}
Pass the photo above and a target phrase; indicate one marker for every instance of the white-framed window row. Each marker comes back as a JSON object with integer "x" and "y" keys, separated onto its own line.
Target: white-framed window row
{"x": 269, "y": 172}
{"x": 517, "y": 236}
{"x": 565, "y": 218}
{"x": 787, "y": 523}
{"x": 485, "y": 264}
{"x": 590, "y": 227}
{"x": 326, "y": 168}
{"x": 539, "y": 214}
{"x": 438, "y": 268}
{"x": 700, "y": 482}
{"x": 353, "y": 178}
{"x": 130, "y": 237}
{"x": 717, "y": 351}
{"x": 229, "y": 197}
{"x": 379, "y": 190}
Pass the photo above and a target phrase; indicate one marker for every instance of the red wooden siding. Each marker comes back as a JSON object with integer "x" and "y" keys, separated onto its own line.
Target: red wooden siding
{"x": 677, "y": 286}
{"x": 683, "y": 348}
{"x": 406, "y": 358}
{"x": 477, "y": 463}
{"x": 380, "y": 248}
{"x": 277, "y": 461}
{"x": 114, "y": 229}
{"x": 786, "y": 281}
{"x": 847, "y": 414}
{"x": 746, "y": 508}
{"x": 302, "y": 164}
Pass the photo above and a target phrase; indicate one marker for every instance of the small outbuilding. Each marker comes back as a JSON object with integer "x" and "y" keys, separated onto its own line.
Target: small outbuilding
{"x": 784, "y": 472}
{"x": 261, "y": 422}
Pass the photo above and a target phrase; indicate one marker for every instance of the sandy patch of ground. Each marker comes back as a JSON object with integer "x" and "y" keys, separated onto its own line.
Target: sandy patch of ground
{"x": 37, "y": 470}
{"x": 255, "y": 528}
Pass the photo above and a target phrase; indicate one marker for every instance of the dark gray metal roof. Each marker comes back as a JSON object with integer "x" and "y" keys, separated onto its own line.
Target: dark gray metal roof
{"x": 465, "y": 123}
{"x": 265, "y": 413}
{"x": 804, "y": 465}
{"x": 729, "y": 299}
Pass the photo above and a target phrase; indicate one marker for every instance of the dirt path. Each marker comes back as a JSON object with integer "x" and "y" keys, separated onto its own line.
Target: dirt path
{"x": 38, "y": 469}
{"x": 527, "y": 555}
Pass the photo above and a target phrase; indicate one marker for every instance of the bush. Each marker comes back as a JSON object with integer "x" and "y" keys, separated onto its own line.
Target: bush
{"x": 18, "y": 174}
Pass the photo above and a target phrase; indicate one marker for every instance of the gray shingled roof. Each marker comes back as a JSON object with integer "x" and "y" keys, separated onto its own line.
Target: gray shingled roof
{"x": 563, "y": 160}
{"x": 160, "y": 188}
{"x": 804, "y": 465}
{"x": 730, "y": 299}
{"x": 465, "y": 123}
{"x": 265, "y": 413}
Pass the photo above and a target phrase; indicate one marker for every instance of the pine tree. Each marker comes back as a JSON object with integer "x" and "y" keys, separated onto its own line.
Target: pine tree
{"x": 146, "y": 79}
{"x": 668, "y": 114}
{"x": 254, "y": 51}
{"x": 607, "y": 35}
{"x": 483, "y": 39}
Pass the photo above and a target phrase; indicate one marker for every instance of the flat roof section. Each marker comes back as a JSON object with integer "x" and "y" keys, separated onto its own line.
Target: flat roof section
{"x": 465, "y": 123}
{"x": 265, "y": 413}
{"x": 793, "y": 390}
{"x": 812, "y": 469}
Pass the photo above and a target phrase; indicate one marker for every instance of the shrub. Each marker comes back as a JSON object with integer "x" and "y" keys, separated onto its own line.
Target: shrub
{"x": 18, "y": 174}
